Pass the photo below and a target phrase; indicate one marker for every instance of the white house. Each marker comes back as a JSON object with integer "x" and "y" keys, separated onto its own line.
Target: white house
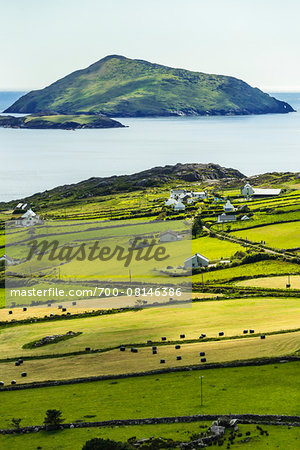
{"x": 169, "y": 236}
{"x": 9, "y": 261}
{"x": 247, "y": 190}
{"x": 196, "y": 261}
{"x": 177, "y": 192}
{"x": 200, "y": 195}
{"x": 179, "y": 206}
{"x": 228, "y": 207}
{"x": 29, "y": 218}
{"x": 222, "y": 218}
{"x": 171, "y": 201}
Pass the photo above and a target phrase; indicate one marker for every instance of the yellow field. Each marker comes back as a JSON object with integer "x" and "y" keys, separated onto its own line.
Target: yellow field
{"x": 116, "y": 362}
{"x": 273, "y": 282}
{"x": 133, "y": 327}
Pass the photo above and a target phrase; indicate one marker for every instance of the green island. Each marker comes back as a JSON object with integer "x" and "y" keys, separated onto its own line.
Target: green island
{"x": 121, "y": 87}
{"x": 240, "y": 332}
{"x": 59, "y": 121}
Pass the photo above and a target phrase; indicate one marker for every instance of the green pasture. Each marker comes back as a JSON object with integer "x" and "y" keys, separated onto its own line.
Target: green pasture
{"x": 133, "y": 327}
{"x": 262, "y": 268}
{"x": 269, "y": 389}
{"x": 281, "y": 236}
{"x": 279, "y": 437}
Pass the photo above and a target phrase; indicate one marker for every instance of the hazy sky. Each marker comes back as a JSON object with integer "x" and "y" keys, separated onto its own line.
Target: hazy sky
{"x": 256, "y": 40}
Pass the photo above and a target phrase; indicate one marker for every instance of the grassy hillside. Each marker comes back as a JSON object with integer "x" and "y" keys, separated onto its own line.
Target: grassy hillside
{"x": 59, "y": 121}
{"x": 122, "y": 87}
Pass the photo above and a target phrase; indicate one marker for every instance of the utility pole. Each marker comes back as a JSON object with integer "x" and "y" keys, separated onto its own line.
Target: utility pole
{"x": 201, "y": 378}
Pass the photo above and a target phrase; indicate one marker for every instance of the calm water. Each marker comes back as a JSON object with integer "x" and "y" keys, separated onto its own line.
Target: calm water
{"x": 35, "y": 160}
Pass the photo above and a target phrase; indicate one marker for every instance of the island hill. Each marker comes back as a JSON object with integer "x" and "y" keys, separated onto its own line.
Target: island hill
{"x": 59, "y": 121}
{"x": 117, "y": 86}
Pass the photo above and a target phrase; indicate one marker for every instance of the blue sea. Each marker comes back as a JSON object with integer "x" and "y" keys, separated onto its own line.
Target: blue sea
{"x": 35, "y": 160}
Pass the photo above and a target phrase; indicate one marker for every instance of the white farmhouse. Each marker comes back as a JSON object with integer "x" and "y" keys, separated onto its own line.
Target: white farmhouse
{"x": 200, "y": 195}
{"x": 29, "y": 218}
{"x": 171, "y": 201}
{"x": 179, "y": 206}
{"x": 228, "y": 207}
{"x": 196, "y": 261}
{"x": 247, "y": 190}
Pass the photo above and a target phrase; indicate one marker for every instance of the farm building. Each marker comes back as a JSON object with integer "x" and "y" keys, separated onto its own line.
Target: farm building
{"x": 169, "y": 236}
{"x": 9, "y": 261}
{"x": 249, "y": 191}
{"x": 223, "y": 218}
{"x": 196, "y": 261}
{"x": 179, "y": 206}
{"x": 228, "y": 207}
{"x": 171, "y": 201}
{"x": 200, "y": 195}
{"x": 29, "y": 218}
{"x": 245, "y": 218}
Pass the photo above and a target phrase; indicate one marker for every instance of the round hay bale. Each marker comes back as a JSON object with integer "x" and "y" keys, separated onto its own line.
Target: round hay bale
{"x": 68, "y": 313}
{"x": 64, "y": 309}
{"x": 122, "y": 348}
{"x": 251, "y": 331}
{"x": 87, "y": 349}
{"x": 74, "y": 303}
{"x": 263, "y": 336}
{"x": 149, "y": 341}
{"x": 23, "y": 374}
{"x": 162, "y": 361}
{"x": 17, "y": 363}
{"x": 178, "y": 358}
{"x": 221, "y": 333}
{"x": 59, "y": 306}
{"x": 245, "y": 331}
{"x": 154, "y": 347}
{"x": 20, "y": 360}
{"x": 177, "y": 347}
{"x": 182, "y": 336}
{"x": 164, "y": 338}
{"x": 154, "y": 352}
{"x": 203, "y": 359}
{"x": 13, "y": 382}
{"x": 202, "y": 353}
{"x": 1, "y": 383}
{"x": 134, "y": 350}
{"x": 24, "y": 309}
{"x": 10, "y": 312}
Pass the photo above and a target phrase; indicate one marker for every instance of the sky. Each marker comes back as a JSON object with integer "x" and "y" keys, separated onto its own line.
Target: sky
{"x": 255, "y": 40}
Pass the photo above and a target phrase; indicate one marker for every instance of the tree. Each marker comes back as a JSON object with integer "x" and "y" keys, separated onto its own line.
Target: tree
{"x": 105, "y": 444}
{"x": 53, "y": 419}
{"x": 197, "y": 226}
{"x": 16, "y": 423}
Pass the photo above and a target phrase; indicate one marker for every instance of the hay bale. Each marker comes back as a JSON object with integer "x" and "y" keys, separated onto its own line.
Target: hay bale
{"x": 24, "y": 309}
{"x": 23, "y": 374}
{"x": 162, "y": 361}
{"x": 149, "y": 341}
{"x": 178, "y": 358}
{"x": 154, "y": 347}
{"x": 182, "y": 336}
{"x": 245, "y": 331}
{"x": 59, "y": 306}
{"x": 203, "y": 359}
{"x": 64, "y": 309}
{"x": 68, "y": 313}
{"x": 74, "y": 303}
{"x": 1, "y": 383}
{"x": 164, "y": 338}
{"x": 20, "y": 360}
{"x": 154, "y": 352}
{"x": 202, "y": 353}
{"x": 13, "y": 382}
{"x": 122, "y": 348}
{"x": 10, "y": 312}
{"x": 49, "y": 304}
{"x": 17, "y": 363}
{"x": 51, "y": 315}
{"x": 221, "y": 333}
{"x": 263, "y": 336}
{"x": 177, "y": 347}
{"x": 251, "y": 331}
{"x": 87, "y": 349}
{"x": 134, "y": 350}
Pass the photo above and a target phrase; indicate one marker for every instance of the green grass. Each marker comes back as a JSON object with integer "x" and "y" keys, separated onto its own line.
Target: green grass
{"x": 281, "y": 236}
{"x": 209, "y": 317}
{"x": 115, "y": 362}
{"x": 257, "y": 389}
{"x": 262, "y": 268}
{"x": 280, "y": 437}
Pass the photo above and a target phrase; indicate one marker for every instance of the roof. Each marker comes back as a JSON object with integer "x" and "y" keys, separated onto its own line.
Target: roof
{"x": 198, "y": 255}
{"x": 29, "y": 213}
{"x": 168, "y": 232}
{"x": 267, "y": 191}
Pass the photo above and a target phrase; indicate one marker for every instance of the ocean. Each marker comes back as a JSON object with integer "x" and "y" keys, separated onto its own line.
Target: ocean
{"x": 35, "y": 160}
